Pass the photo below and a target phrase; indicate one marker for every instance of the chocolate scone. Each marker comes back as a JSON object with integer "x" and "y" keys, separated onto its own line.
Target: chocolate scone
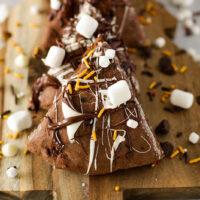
{"x": 96, "y": 124}
{"x": 75, "y": 41}
{"x": 120, "y": 10}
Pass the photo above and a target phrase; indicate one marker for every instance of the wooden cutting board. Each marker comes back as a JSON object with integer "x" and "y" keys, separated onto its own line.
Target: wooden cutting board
{"x": 37, "y": 180}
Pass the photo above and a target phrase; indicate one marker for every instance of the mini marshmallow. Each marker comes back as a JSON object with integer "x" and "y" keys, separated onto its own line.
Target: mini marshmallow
{"x": 183, "y": 3}
{"x": 110, "y": 53}
{"x": 34, "y": 9}
{"x": 104, "y": 61}
{"x": 194, "y": 138}
{"x": 55, "y": 4}
{"x": 181, "y": 98}
{"x": 189, "y": 23}
{"x": 4, "y": 12}
{"x": 87, "y": 26}
{"x": 195, "y": 30}
{"x": 184, "y": 14}
{"x": 21, "y": 61}
{"x": 55, "y": 57}
{"x": 19, "y": 121}
{"x": 160, "y": 42}
{"x": 9, "y": 150}
{"x": 12, "y": 172}
{"x": 119, "y": 93}
{"x": 132, "y": 123}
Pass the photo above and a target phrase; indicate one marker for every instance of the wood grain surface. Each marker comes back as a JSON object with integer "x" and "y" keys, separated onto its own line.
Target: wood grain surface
{"x": 37, "y": 180}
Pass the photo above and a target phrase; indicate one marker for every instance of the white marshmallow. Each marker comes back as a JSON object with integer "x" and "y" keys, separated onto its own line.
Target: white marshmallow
{"x": 184, "y": 14}
{"x": 9, "y": 150}
{"x": 55, "y": 4}
{"x": 189, "y": 23}
{"x": 4, "y": 12}
{"x": 195, "y": 30}
{"x": 21, "y": 61}
{"x": 160, "y": 42}
{"x": 181, "y": 98}
{"x": 194, "y": 138}
{"x": 183, "y": 3}
{"x": 12, "y": 172}
{"x": 34, "y": 9}
{"x": 192, "y": 52}
{"x": 119, "y": 93}
{"x": 104, "y": 61}
{"x": 55, "y": 57}
{"x": 87, "y": 26}
{"x": 132, "y": 123}
{"x": 110, "y": 53}
{"x": 71, "y": 129}
{"x": 19, "y": 121}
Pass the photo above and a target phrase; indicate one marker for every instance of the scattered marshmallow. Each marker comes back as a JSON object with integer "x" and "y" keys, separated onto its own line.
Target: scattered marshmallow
{"x": 104, "y": 61}
{"x": 9, "y": 150}
{"x": 183, "y": 3}
{"x": 12, "y": 172}
{"x": 194, "y": 138}
{"x": 189, "y": 23}
{"x": 19, "y": 121}
{"x": 87, "y": 26}
{"x": 192, "y": 52}
{"x": 34, "y": 9}
{"x": 184, "y": 14}
{"x": 160, "y": 42}
{"x": 119, "y": 93}
{"x": 195, "y": 30}
{"x": 55, "y": 4}
{"x": 181, "y": 98}
{"x": 21, "y": 61}
{"x": 54, "y": 57}
{"x": 132, "y": 123}
{"x": 4, "y": 12}
{"x": 110, "y": 53}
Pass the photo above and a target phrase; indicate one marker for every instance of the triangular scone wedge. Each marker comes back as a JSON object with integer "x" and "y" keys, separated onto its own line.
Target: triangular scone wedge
{"x": 96, "y": 125}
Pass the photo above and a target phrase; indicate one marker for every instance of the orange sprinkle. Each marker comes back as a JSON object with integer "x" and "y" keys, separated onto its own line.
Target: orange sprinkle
{"x": 19, "y": 49}
{"x": 95, "y": 78}
{"x": 16, "y": 135}
{"x": 10, "y": 135}
{"x": 153, "y": 165}
{"x": 77, "y": 85}
{"x": 115, "y": 135}
{"x": 147, "y": 44}
{"x": 94, "y": 135}
{"x": 90, "y": 53}
{"x": 26, "y": 151}
{"x": 36, "y": 51}
{"x": 153, "y": 12}
{"x": 131, "y": 50}
{"x": 117, "y": 188}
{"x": 144, "y": 21}
{"x": 175, "y": 67}
{"x": 163, "y": 99}
{"x": 149, "y": 6}
{"x": 82, "y": 73}
{"x": 1, "y": 59}
{"x": 152, "y": 85}
{"x": 167, "y": 53}
{"x": 7, "y": 70}
{"x": 0, "y": 156}
{"x": 1, "y": 152}
{"x": 89, "y": 75}
{"x": 181, "y": 149}
{"x": 70, "y": 88}
{"x": 101, "y": 112}
{"x": 172, "y": 86}
{"x": 18, "y": 24}
{"x": 86, "y": 63}
{"x": 1, "y": 142}
{"x": 167, "y": 93}
{"x": 196, "y": 160}
{"x": 183, "y": 69}
{"x": 175, "y": 154}
{"x": 33, "y": 25}
{"x": 5, "y": 117}
{"x": 83, "y": 87}
{"x": 17, "y": 75}
{"x": 13, "y": 44}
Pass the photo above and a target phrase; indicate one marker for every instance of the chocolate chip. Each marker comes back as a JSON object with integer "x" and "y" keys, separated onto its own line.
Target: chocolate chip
{"x": 147, "y": 73}
{"x": 198, "y": 99}
{"x": 159, "y": 83}
{"x": 168, "y": 148}
{"x": 186, "y": 157}
{"x": 146, "y": 51}
{"x": 163, "y": 127}
{"x": 169, "y": 109}
{"x": 165, "y": 65}
{"x": 180, "y": 52}
{"x": 165, "y": 89}
{"x": 170, "y": 32}
{"x": 150, "y": 95}
{"x": 179, "y": 134}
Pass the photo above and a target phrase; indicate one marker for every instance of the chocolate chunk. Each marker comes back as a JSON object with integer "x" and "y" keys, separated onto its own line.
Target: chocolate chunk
{"x": 163, "y": 127}
{"x": 180, "y": 52}
{"x": 168, "y": 148}
{"x": 147, "y": 73}
{"x": 165, "y": 65}
{"x": 146, "y": 51}
{"x": 169, "y": 109}
{"x": 198, "y": 99}
{"x": 179, "y": 134}
{"x": 186, "y": 157}
{"x": 170, "y": 32}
